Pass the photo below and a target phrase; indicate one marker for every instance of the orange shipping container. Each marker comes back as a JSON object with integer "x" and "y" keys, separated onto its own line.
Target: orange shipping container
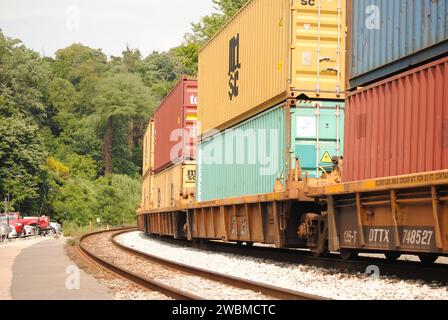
{"x": 269, "y": 52}
{"x": 398, "y": 126}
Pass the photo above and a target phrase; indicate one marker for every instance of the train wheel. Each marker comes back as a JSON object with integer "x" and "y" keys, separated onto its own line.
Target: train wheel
{"x": 239, "y": 243}
{"x": 318, "y": 253}
{"x": 348, "y": 254}
{"x": 249, "y": 243}
{"x": 428, "y": 258}
{"x": 392, "y": 256}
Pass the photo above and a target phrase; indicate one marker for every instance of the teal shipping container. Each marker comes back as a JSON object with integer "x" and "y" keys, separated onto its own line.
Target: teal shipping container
{"x": 249, "y": 158}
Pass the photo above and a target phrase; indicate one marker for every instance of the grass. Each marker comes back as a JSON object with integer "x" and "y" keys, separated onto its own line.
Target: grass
{"x": 73, "y": 230}
{"x": 71, "y": 242}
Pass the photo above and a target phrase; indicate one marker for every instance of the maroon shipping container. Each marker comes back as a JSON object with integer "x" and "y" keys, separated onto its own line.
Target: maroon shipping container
{"x": 177, "y": 111}
{"x": 399, "y": 125}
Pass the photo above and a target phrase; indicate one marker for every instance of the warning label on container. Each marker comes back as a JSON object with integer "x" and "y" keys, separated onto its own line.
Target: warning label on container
{"x": 307, "y": 58}
{"x": 306, "y": 127}
{"x": 326, "y": 158}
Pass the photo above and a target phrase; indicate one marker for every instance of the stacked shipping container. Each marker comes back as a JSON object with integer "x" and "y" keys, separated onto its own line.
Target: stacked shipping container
{"x": 175, "y": 125}
{"x": 169, "y": 173}
{"x": 248, "y": 158}
{"x": 387, "y": 36}
{"x": 251, "y": 133}
{"x": 148, "y": 168}
{"x": 269, "y": 52}
{"x": 397, "y": 125}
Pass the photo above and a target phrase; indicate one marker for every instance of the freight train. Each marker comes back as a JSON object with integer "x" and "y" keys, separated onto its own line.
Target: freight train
{"x": 313, "y": 124}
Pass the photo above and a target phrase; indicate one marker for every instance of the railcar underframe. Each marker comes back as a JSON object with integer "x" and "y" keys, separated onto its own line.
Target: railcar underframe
{"x": 396, "y": 215}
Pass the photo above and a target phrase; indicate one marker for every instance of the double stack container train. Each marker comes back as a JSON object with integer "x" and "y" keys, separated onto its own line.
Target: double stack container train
{"x": 322, "y": 126}
{"x": 169, "y": 167}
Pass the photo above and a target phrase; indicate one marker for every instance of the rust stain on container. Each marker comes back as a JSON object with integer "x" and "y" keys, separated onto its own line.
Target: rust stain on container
{"x": 175, "y": 125}
{"x": 398, "y": 126}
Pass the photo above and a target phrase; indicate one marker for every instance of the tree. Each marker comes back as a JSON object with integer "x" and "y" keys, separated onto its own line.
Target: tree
{"x": 117, "y": 198}
{"x": 24, "y": 78}
{"x": 121, "y": 102}
{"x": 71, "y": 126}
{"x": 203, "y": 30}
{"x": 78, "y": 62}
{"x": 22, "y": 156}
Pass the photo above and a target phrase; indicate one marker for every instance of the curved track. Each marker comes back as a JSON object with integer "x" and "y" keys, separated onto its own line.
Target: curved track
{"x": 147, "y": 283}
{"x": 267, "y": 290}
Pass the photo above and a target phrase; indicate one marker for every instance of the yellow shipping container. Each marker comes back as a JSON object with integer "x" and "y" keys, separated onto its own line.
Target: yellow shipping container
{"x": 174, "y": 185}
{"x": 148, "y": 148}
{"x": 272, "y": 50}
{"x": 147, "y": 192}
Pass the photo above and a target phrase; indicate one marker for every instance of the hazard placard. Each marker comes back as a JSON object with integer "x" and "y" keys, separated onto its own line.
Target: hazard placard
{"x": 326, "y": 158}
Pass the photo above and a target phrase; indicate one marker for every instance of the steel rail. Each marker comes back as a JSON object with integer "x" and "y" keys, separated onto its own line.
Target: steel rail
{"x": 145, "y": 282}
{"x": 268, "y": 290}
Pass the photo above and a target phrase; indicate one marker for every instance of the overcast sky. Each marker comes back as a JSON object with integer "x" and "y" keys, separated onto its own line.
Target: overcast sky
{"x": 48, "y": 25}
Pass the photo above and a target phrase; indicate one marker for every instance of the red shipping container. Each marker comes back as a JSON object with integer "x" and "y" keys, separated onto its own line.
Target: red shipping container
{"x": 175, "y": 125}
{"x": 398, "y": 126}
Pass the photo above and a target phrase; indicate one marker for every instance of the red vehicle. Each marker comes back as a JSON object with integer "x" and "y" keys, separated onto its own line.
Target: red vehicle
{"x": 42, "y": 224}
{"x": 15, "y": 222}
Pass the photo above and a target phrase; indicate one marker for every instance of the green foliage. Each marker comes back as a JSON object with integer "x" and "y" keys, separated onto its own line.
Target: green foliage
{"x": 62, "y": 95}
{"x": 113, "y": 199}
{"x": 116, "y": 198}
{"x": 204, "y": 29}
{"x": 71, "y": 126}
{"x": 78, "y": 62}
{"x": 229, "y": 7}
{"x": 23, "y": 82}
{"x": 22, "y": 155}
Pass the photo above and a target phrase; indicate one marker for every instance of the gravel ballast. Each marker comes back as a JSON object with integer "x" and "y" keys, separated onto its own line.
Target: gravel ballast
{"x": 101, "y": 246}
{"x": 308, "y": 279}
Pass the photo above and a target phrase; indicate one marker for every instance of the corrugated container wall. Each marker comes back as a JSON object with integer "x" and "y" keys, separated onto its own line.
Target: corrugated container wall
{"x": 175, "y": 125}
{"x": 249, "y": 158}
{"x": 147, "y": 193}
{"x": 389, "y": 36}
{"x": 398, "y": 126}
{"x": 269, "y": 52}
{"x": 147, "y": 167}
{"x": 174, "y": 184}
{"x": 148, "y": 149}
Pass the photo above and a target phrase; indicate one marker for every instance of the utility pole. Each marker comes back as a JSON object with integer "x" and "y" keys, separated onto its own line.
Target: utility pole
{"x": 6, "y": 211}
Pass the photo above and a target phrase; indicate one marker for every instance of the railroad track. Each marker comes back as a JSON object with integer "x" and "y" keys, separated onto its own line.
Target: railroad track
{"x": 400, "y": 269}
{"x": 173, "y": 292}
{"x": 145, "y": 282}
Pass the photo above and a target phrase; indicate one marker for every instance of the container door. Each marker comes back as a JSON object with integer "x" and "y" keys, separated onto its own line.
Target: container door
{"x": 317, "y": 131}
{"x": 317, "y": 48}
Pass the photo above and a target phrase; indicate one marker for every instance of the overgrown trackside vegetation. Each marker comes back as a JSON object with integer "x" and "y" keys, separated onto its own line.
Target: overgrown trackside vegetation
{"x": 71, "y": 126}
